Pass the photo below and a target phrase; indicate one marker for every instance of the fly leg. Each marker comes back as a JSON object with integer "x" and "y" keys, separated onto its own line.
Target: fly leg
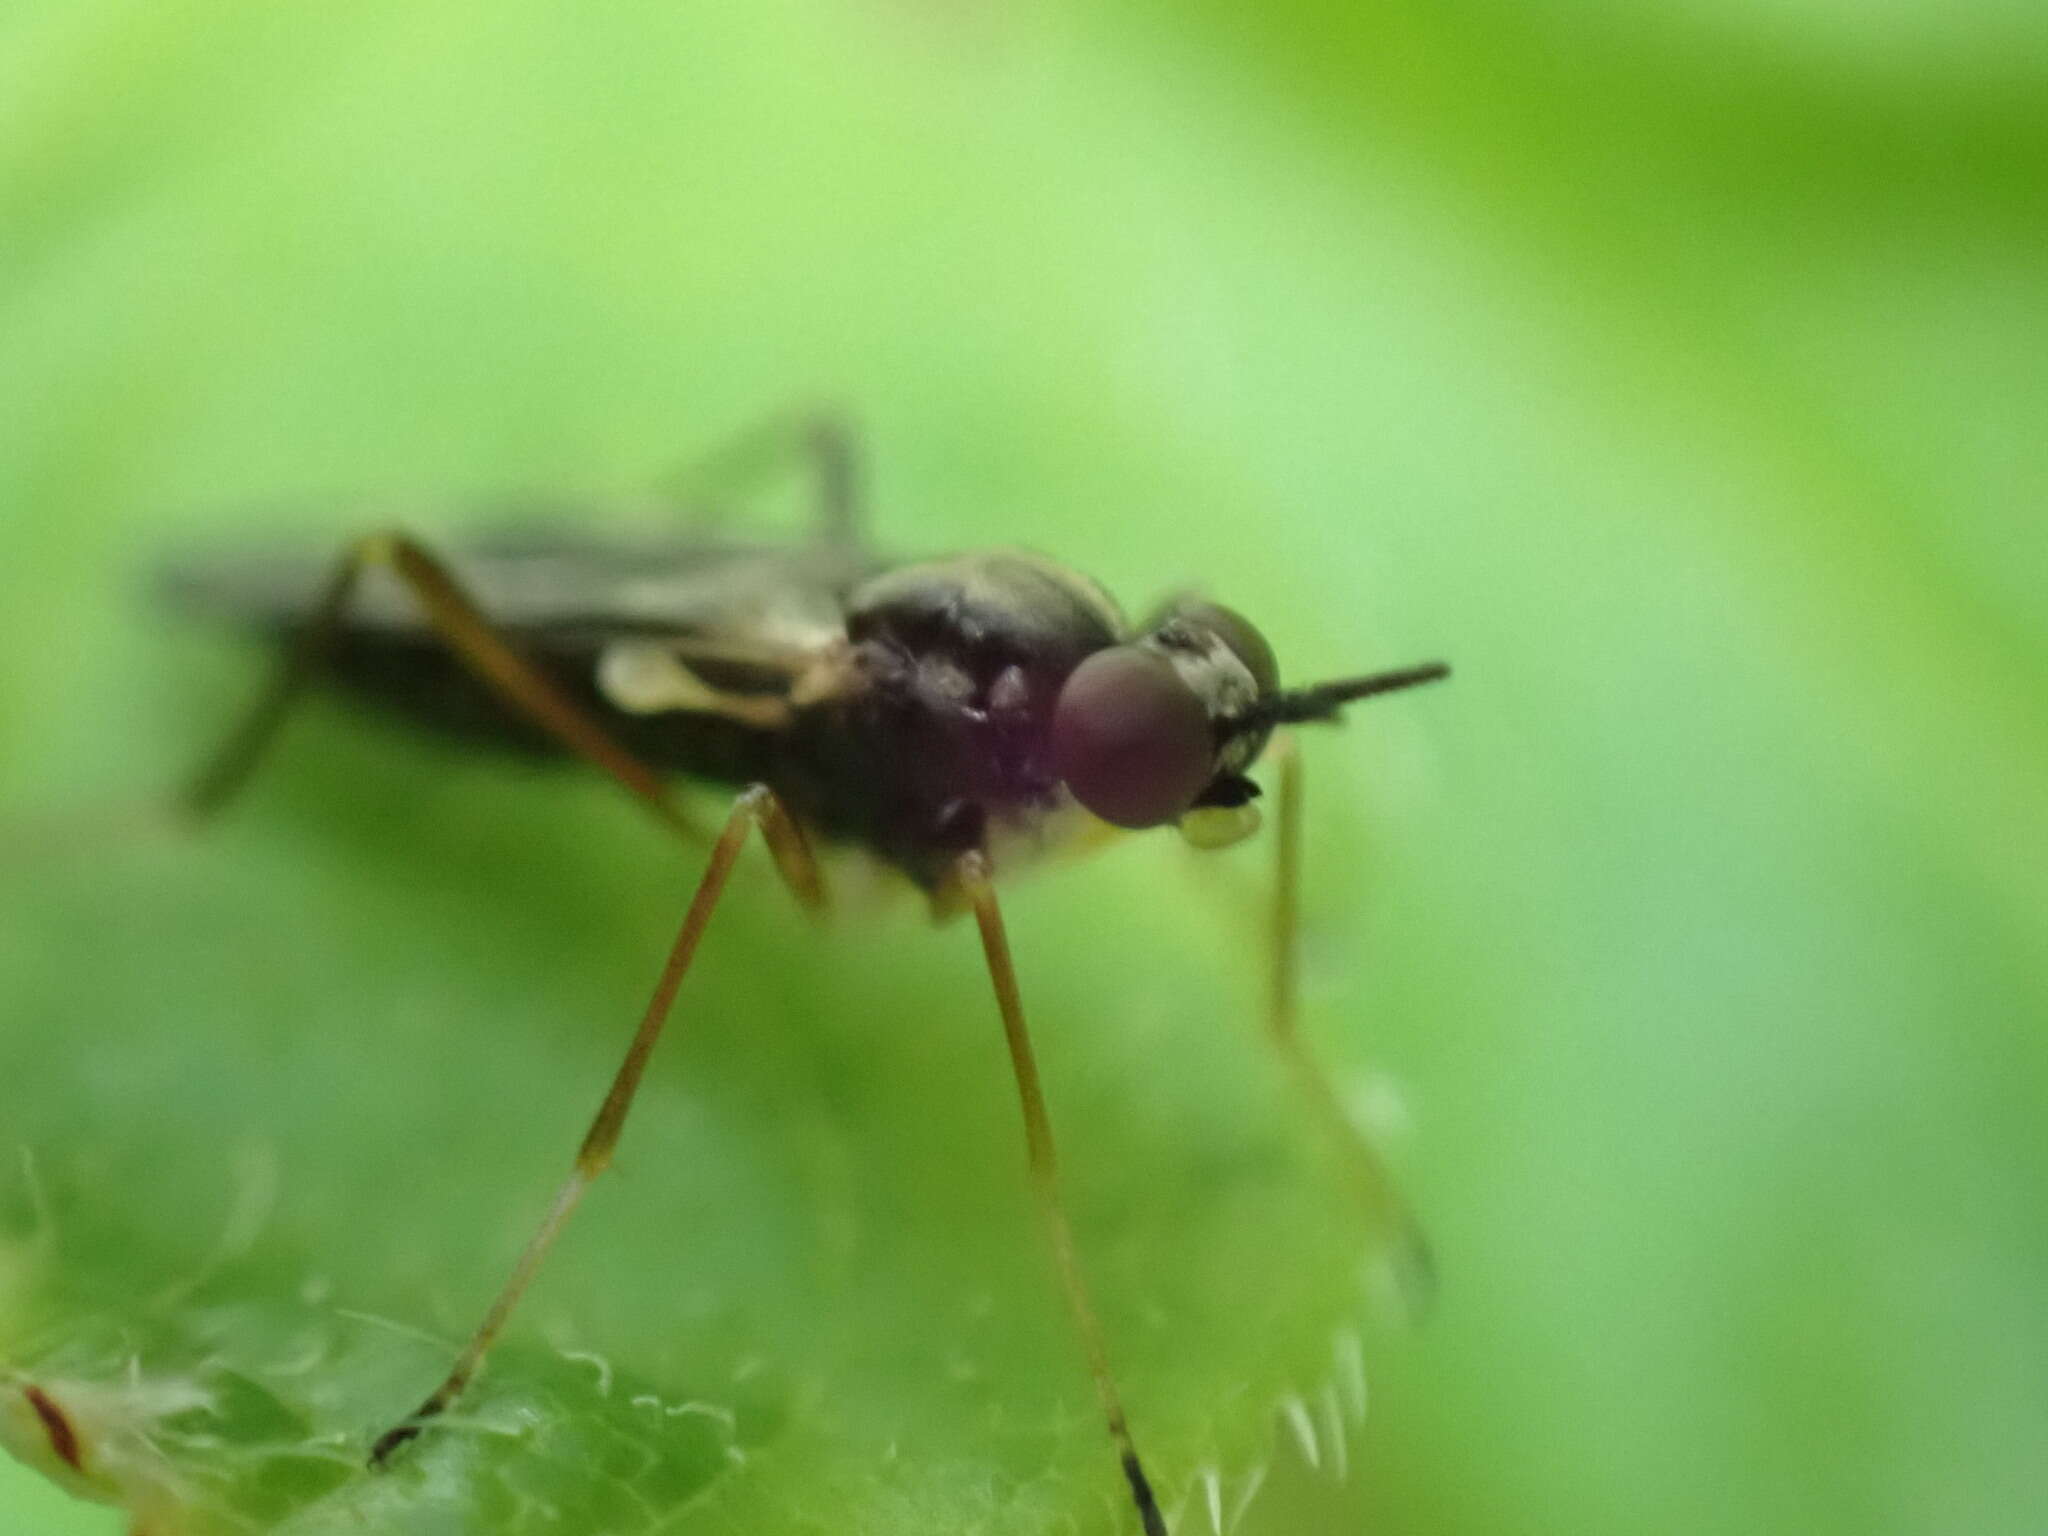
{"x": 1391, "y": 1219}
{"x": 973, "y": 879}
{"x": 464, "y": 629}
{"x": 756, "y": 807}
{"x": 823, "y": 439}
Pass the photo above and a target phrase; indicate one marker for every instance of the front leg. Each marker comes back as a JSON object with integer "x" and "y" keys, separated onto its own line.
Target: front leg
{"x": 1388, "y": 1213}
{"x": 976, "y": 887}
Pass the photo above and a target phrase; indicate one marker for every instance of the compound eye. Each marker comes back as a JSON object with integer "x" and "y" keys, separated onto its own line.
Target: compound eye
{"x": 1243, "y": 638}
{"x": 1130, "y": 738}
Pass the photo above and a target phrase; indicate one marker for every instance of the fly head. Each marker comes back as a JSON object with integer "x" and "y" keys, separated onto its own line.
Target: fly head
{"x": 1163, "y": 728}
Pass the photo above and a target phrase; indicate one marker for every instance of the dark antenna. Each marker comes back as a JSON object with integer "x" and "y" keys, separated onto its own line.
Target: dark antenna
{"x": 1294, "y": 706}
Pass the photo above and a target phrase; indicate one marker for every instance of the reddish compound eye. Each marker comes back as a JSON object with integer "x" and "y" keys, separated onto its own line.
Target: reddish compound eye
{"x": 1130, "y": 738}
{"x": 1243, "y": 638}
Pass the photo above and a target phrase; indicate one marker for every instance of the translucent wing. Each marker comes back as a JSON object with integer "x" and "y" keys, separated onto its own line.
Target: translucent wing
{"x": 557, "y": 590}
{"x": 745, "y": 618}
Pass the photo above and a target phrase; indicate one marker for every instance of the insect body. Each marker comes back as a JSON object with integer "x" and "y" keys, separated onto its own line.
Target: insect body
{"x": 953, "y": 717}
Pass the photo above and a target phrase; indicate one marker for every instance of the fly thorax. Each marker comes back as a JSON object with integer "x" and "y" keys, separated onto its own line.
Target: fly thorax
{"x": 975, "y": 648}
{"x": 986, "y": 613}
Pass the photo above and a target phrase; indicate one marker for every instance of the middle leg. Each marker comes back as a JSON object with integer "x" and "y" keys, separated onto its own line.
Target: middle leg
{"x": 756, "y": 807}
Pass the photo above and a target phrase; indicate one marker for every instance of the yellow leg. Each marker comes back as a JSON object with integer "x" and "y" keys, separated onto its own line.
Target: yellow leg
{"x": 756, "y": 807}
{"x": 972, "y": 876}
{"x": 821, "y": 438}
{"x": 474, "y": 640}
{"x": 1392, "y": 1220}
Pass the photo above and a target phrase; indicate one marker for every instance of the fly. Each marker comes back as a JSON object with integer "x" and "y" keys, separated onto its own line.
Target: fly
{"x": 954, "y": 717}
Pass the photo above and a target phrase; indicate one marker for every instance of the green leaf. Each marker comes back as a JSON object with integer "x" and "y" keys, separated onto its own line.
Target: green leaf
{"x": 297, "y": 1110}
{"x": 1675, "y": 373}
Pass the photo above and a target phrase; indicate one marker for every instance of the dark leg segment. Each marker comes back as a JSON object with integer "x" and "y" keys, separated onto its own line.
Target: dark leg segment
{"x": 756, "y": 807}
{"x": 466, "y": 632}
{"x": 974, "y": 881}
{"x": 1389, "y": 1214}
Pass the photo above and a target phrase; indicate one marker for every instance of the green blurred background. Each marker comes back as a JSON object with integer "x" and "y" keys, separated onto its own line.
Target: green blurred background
{"x": 1680, "y": 373}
